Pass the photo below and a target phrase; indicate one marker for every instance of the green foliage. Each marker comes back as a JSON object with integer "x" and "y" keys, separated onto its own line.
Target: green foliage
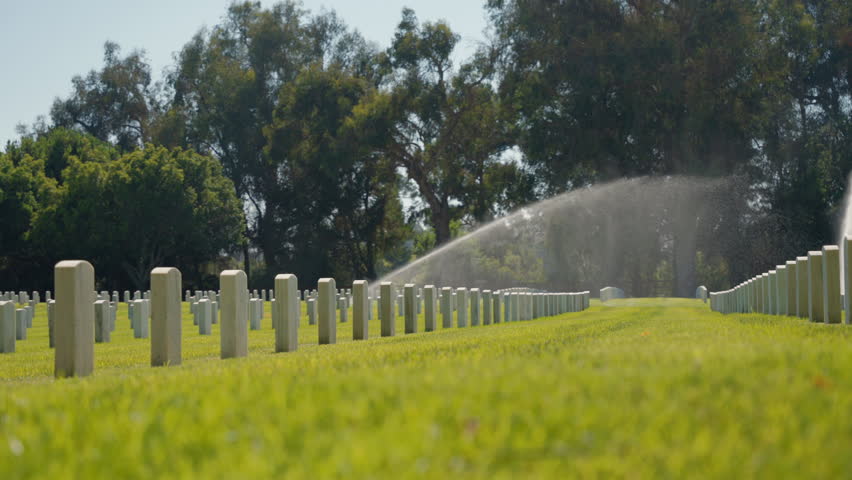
{"x": 24, "y": 192}
{"x": 320, "y": 132}
{"x": 635, "y": 88}
{"x": 148, "y": 208}
{"x": 114, "y": 104}
{"x": 756, "y": 90}
{"x": 58, "y": 146}
{"x": 330, "y": 192}
{"x": 638, "y": 388}
{"x": 68, "y": 195}
{"x": 513, "y": 264}
{"x": 252, "y": 92}
{"x": 445, "y": 127}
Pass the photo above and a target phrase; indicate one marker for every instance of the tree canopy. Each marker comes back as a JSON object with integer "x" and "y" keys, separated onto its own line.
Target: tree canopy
{"x": 283, "y": 139}
{"x": 126, "y": 213}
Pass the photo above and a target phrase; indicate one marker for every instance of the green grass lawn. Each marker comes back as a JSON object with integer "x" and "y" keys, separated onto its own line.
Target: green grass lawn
{"x": 637, "y": 388}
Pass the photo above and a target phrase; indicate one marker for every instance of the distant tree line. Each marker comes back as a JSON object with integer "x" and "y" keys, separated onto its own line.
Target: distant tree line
{"x": 282, "y": 137}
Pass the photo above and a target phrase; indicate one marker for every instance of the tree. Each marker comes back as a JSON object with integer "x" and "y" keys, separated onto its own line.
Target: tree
{"x": 226, "y": 87}
{"x": 332, "y": 191}
{"x": 806, "y": 149}
{"x": 57, "y": 146}
{"x": 116, "y": 104}
{"x": 24, "y": 191}
{"x": 148, "y": 208}
{"x": 604, "y": 89}
{"x": 444, "y": 127}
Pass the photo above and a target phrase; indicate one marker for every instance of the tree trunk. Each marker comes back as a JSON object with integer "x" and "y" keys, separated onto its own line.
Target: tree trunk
{"x": 638, "y": 287}
{"x": 246, "y": 262}
{"x": 441, "y": 223}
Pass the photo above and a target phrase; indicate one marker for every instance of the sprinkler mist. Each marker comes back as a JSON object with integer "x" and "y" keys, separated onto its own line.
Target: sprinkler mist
{"x": 639, "y": 234}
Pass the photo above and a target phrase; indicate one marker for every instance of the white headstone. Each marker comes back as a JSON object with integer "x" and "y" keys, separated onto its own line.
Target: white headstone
{"x": 474, "y": 299}
{"x": 165, "y": 316}
{"x": 815, "y": 291}
{"x": 311, "y": 306}
{"x": 462, "y": 309}
{"x": 234, "y": 313}
{"x": 495, "y": 306}
{"x": 8, "y": 326}
{"x": 255, "y": 314}
{"x": 831, "y": 302}
{"x": 20, "y": 324}
{"x": 326, "y": 301}
{"x": 286, "y": 316}
{"x": 102, "y": 322}
{"x": 360, "y": 311}
{"x": 447, "y": 307}
{"x": 74, "y": 282}
{"x": 140, "y": 319}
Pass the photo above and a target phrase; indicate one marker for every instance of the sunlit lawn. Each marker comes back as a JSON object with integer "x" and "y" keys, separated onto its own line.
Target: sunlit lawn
{"x": 637, "y": 388}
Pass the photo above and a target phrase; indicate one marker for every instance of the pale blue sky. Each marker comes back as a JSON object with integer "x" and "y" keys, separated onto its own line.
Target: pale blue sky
{"x": 43, "y": 43}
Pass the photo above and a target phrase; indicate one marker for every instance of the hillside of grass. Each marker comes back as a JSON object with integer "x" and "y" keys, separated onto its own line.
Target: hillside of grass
{"x": 637, "y": 388}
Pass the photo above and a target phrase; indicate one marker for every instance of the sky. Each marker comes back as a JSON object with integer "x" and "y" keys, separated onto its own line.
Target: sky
{"x": 44, "y": 43}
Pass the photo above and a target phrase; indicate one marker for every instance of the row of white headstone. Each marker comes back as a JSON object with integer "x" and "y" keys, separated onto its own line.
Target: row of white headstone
{"x": 808, "y": 287}
{"x": 77, "y": 320}
{"x": 23, "y": 297}
{"x": 139, "y": 311}
{"x": 14, "y": 323}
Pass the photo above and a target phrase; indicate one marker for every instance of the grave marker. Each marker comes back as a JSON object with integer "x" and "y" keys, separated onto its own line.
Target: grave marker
{"x": 815, "y": 291}
{"x": 496, "y": 306}
{"x": 802, "y": 307}
{"x": 773, "y": 292}
{"x": 165, "y": 316}
{"x": 507, "y": 307}
{"x": 255, "y": 314}
{"x": 847, "y": 280}
{"x": 475, "y": 319}
{"x": 311, "y": 307}
{"x": 831, "y": 302}
{"x": 342, "y": 309}
{"x": 140, "y": 319}
{"x": 791, "y": 288}
{"x": 234, "y": 312}
{"x": 102, "y": 322}
{"x": 360, "y": 311}
{"x": 486, "y": 307}
{"x": 7, "y": 327}
{"x": 327, "y": 325}
{"x": 74, "y": 282}
{"x": 461, "y": 308}
{"x": 203, "y": 316}
{"x": 781, "y": 295}
{"x": 430, "y": 307}
{"x": 447, "y": 307}
{"x": 51, "y": 322}
{"x": 20, "y": 324}
{"x": 286, "y": 317}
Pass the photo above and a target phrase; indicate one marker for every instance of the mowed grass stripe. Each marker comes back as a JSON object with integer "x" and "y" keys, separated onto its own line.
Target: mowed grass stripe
{"x": 648, "y": 389}
{"x": 34, "y": 359}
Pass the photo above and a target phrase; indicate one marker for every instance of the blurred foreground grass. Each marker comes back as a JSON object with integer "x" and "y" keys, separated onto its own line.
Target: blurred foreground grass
{"x": 637, "y": 388}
